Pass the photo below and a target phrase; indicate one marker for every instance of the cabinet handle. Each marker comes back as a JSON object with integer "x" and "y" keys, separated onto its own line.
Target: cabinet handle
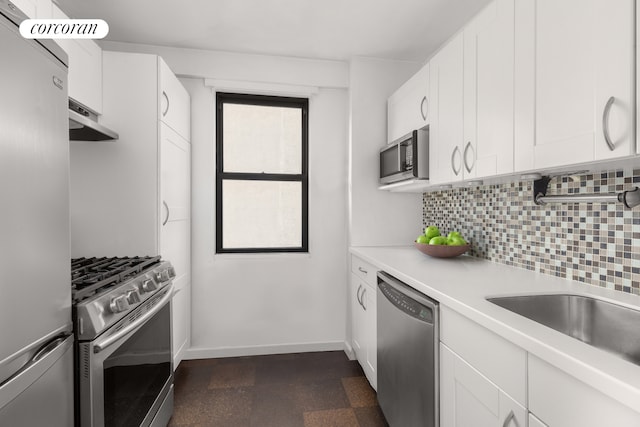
{"x": 358, "y": 295}
{"x": 453, "y": 155}
{"x": 362, "y": 270}
{"x": 605, "y": 123}
{"x": 166, "y": 206}
{"x": 510, "y": 417}
{"x": 464, "y": 157}
{"x": 166, "y": 110}
{"x": 364, "y": 306}
{"x": 424, "y": 108}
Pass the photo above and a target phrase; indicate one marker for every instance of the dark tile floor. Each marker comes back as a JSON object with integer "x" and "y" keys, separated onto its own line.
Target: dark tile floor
{"x": 322, "y": 389}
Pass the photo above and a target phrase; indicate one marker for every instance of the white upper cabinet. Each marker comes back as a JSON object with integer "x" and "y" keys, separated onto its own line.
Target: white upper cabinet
{"x": 408, "y": 107}
{"x": 175, "y": 103}
{"x": 488, "y": 91}
{"x": 446, "y": 124}
{"x": 40, "y": 9}
{"x": 85, "y": 68}
{"x": 574, "y": 65}
{"x": 637, "y": 77}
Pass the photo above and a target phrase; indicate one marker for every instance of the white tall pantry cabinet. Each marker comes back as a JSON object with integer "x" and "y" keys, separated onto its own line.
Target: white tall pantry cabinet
{"x": 132, "y": 196}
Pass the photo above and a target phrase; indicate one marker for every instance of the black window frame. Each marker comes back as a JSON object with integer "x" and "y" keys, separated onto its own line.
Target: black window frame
{"x": 303, "y": 177}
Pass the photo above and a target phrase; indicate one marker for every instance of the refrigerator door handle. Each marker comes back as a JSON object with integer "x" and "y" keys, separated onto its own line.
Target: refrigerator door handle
{"x": 40, "y": 363}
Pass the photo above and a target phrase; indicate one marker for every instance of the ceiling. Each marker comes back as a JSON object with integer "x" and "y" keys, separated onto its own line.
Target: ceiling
{"x": 323, "y": 29}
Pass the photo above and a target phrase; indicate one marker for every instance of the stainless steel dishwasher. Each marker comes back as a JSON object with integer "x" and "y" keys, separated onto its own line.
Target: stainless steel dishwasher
{"x": 407, "y": 323}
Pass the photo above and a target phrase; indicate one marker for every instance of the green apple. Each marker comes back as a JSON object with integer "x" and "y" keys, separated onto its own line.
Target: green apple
{"x": 454, "y": 234}
{"x": 431, "y": 232}
{"x": 422, "y": 239}
{"x": 456, "y": 241}
{"x": 438, "y": 240}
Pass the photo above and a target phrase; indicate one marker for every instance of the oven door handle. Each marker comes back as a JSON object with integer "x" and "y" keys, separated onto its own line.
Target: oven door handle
{"x": 100, "y": 345}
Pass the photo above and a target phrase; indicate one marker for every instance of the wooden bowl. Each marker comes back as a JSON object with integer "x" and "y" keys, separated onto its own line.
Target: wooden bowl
{"x": 442, "y": 251}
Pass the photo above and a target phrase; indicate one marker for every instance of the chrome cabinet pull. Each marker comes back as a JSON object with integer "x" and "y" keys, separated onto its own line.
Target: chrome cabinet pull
{"x": 453, "y": 155}
{"x": 166, "y": 110}
{"x": 424, "y": 108}
{"x": 358, "y": 295}
{"x": 362, "y": 270}
{"x": 364, "y": 306}
{"x": 166, "y": 206}
{"x": 464, "y": 157}
{"x": 510, "y": 417}
{"x": 605, "y": 123}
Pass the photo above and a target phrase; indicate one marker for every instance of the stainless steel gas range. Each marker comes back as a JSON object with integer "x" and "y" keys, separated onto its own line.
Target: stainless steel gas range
{"x": 122, "y": 323}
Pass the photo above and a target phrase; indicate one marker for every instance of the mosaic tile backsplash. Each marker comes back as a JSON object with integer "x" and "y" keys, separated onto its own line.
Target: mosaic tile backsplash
{"x": 596, "y": 243}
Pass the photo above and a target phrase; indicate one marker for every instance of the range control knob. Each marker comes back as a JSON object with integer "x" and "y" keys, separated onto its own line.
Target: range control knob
{"x": 172, "y": 272}
{"x": 119, "y": 304}
{"x": 164, "y": 276}
{"x": 148, "y": 286}
{"x": 133, "y": 297}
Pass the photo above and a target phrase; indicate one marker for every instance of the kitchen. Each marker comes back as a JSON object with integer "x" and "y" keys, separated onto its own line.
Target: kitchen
{"x": 301, "y": 302}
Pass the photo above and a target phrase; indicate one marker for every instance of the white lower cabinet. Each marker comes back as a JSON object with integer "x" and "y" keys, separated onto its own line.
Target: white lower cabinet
{"x": 561, "y": 400}
{"x": 181, "y": 318}
{"x": 364, "y": 339}
{"x": 469, "y": 399}
{"x": 535, "y": 422}
{"x": 363, "y": 318}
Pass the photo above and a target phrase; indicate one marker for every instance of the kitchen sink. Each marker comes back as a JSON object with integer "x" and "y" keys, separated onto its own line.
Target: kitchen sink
{"x": 599, "y": 323}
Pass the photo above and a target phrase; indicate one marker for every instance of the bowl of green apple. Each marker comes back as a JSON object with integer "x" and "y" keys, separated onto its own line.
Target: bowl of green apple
{"x": 436, "y": 245}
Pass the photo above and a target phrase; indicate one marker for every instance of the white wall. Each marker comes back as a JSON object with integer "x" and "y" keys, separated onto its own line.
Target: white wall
{"x": 376, "y": 217}
{"x": 258, "y": 304}
{"x": 254, "y": 304}
{"x": 245, "y": 67}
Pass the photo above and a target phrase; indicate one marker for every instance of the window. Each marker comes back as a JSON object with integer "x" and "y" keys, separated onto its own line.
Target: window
{"x": 261, "y": 173}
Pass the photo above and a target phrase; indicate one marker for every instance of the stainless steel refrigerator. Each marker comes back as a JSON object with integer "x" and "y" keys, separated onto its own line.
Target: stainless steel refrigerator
{"x": 36, "y": 342}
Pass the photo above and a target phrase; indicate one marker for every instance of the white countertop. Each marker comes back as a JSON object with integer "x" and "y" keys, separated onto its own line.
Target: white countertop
{"x": 463, "y": 283}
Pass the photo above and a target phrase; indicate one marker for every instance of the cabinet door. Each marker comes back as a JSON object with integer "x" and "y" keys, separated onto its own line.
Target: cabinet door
{"x": 28, "y": 7}
{"x": 85, "y": 68}
{"x": 181, "y": 322}
{"x": 40, "y": 9}
{"x": 363, "y": 327}
{"x": 582, "y": 57}
{"x": 357, "y": 322}
{"x": 581, "y": 405}
{"x": 446, "y": 128}
{"x": 468, "y": 399}
{"x": 175, "y": 103}
{"x": 408, "y": 107}
{"x": 175, "y": 188}
{"x": 535, "y": 422}
{"x": 370, "y": 333}
{"x": 488, "y": 91}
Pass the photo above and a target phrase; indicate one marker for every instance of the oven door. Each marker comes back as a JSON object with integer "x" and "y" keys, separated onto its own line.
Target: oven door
{"x": 126, "y": 374}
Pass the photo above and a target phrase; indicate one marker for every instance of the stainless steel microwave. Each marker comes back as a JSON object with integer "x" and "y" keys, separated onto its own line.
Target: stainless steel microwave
{"x": 405, "y": 158}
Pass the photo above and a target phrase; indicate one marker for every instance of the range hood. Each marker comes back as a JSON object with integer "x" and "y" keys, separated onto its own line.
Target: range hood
{"x": 84, "y": 126}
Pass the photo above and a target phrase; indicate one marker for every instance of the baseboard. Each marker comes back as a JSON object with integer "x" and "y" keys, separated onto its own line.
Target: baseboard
{"x": 212, "y": 353}
{"x": 348, "y": 349}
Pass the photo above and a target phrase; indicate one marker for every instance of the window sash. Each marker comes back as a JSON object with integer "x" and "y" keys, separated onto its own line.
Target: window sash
{"x": 221, "y": 175}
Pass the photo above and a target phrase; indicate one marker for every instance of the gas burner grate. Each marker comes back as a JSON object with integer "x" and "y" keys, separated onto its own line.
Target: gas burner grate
{"x": 90, "y": 275}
